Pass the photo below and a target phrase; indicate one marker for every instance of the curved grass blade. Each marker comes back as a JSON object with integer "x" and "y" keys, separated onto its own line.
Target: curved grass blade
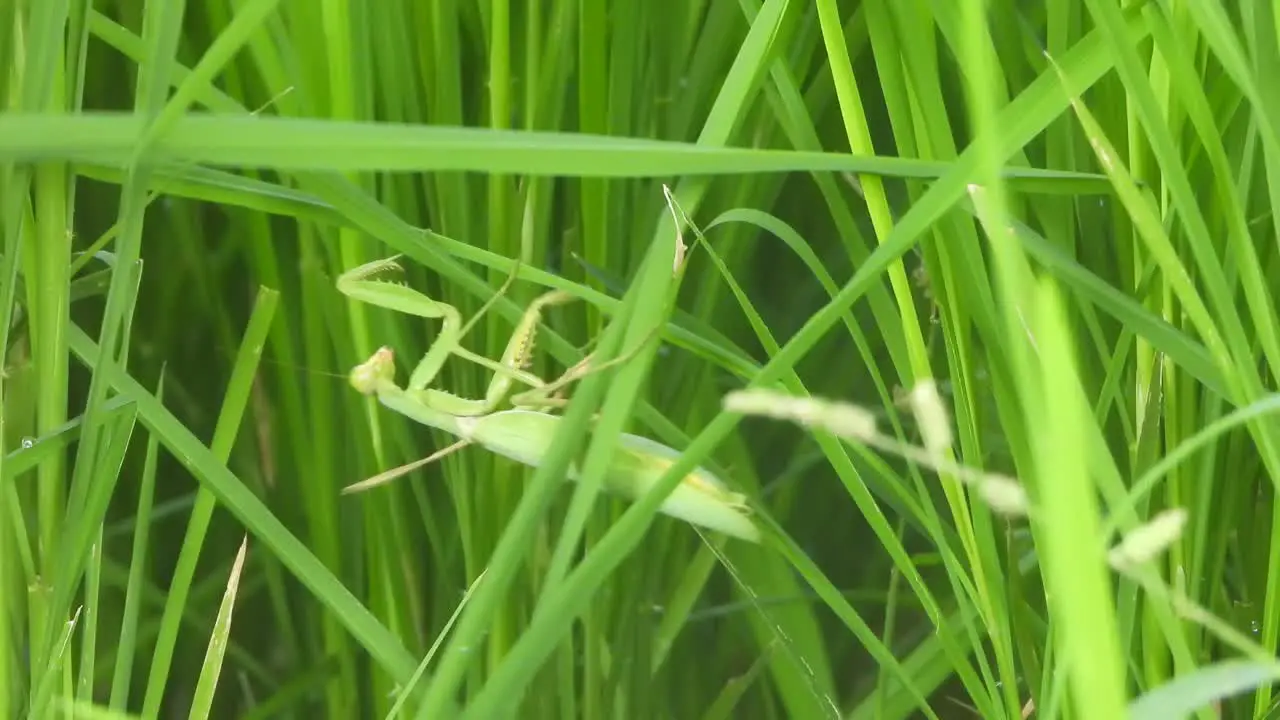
{"x": 1182, "y": 697}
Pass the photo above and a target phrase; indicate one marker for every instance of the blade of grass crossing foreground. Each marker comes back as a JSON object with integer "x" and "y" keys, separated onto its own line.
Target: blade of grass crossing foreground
{"x": 1100, "y": 466}
{"x": 230, "y": 418}
{"x": 1012, "y": 274}
{"x": 1076, "y": 575}
{"x": 293, "y": 144}
{"x": 611, "y": 422}
{"x": 504, "y": 561}
{"x": 647, "y": 300}
{"x": 652, "y": 299}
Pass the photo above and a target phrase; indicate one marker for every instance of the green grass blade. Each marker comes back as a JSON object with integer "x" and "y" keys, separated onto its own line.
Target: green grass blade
{"x": 550, "y": 622}
{"x": 1184, "y": 696}
{"x": 230, "y": 420}
{"x": 294, "y": 144}
{"x": 211, "y": 669}
{"x": 1076, "y": 576}
{"x": 130, "y": 615}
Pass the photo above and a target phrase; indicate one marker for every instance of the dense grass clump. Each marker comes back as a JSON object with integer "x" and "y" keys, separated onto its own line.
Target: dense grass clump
{"x": 970, "y": 303}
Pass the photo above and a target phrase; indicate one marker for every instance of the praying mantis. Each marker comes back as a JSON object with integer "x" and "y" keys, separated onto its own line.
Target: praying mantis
{"x": 524, "y": 431}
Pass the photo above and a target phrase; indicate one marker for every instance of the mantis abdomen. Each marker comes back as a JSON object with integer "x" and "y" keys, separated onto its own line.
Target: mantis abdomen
{"x": 700, "y": 498}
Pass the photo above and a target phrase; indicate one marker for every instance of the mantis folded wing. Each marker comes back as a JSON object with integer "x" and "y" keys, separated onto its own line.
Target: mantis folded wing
{"x": 525, "y": 432}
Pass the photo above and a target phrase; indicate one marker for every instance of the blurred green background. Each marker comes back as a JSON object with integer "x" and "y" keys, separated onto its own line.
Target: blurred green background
{"x": 1061, "y": 212}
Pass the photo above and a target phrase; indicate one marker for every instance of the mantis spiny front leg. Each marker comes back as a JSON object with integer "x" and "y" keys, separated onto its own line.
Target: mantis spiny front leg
{"x": 358, "y": 284}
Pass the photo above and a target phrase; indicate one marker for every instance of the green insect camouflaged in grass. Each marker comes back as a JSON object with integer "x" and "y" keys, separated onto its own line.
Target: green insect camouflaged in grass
{"x": 524, "y": 431}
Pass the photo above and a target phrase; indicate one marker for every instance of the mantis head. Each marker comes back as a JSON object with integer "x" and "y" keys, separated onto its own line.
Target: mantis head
{"x": 368, "y": 375}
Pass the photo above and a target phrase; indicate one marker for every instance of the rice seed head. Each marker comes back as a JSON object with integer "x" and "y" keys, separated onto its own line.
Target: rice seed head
{"x": 1145, "y": 542}
{"x": 840, "y": 418}
{"x": 1004, "y": 494}
{"x": 932, "y": 414}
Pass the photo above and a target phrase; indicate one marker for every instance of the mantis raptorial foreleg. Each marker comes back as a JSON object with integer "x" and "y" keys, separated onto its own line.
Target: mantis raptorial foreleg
{"x": 358, "y": 284}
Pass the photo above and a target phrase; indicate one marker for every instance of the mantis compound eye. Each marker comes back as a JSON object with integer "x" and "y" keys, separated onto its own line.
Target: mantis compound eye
{"x": 379, "y": 368}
